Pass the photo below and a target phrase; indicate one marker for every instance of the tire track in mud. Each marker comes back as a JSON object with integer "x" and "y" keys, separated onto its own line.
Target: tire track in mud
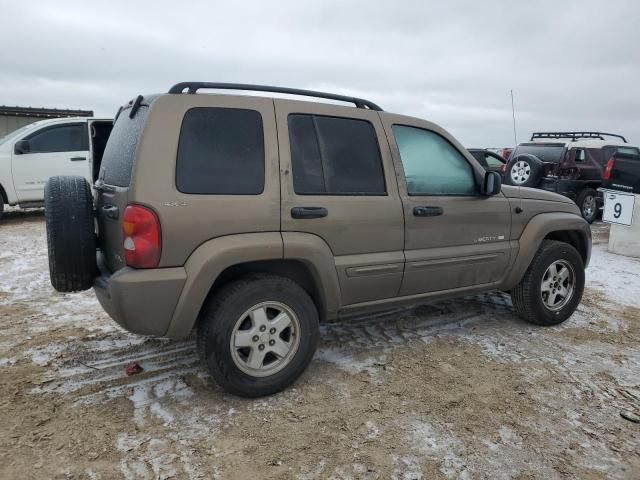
{"x": 92, "y": 376}
{"x": 400, "y": 326}
{"x": 91, "y": 370}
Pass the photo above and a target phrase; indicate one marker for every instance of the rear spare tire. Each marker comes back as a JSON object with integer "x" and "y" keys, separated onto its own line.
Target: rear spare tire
{"x": 71, "y": 235}
{"x": 524, "y": 170}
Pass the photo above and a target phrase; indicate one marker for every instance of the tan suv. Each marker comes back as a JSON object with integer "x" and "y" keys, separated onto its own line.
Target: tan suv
{"x": 253, "y": 219}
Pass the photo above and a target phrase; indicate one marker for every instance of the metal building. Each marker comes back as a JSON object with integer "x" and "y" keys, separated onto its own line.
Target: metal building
{"x": 12, "y": 118}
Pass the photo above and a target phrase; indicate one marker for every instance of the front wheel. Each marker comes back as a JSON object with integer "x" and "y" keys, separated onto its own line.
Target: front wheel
{"x": 552, "y": 287}
{"x": 258, "y": 334}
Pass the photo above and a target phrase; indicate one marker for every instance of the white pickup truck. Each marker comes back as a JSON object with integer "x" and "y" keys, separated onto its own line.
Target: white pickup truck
{"x": 35, "y": 152}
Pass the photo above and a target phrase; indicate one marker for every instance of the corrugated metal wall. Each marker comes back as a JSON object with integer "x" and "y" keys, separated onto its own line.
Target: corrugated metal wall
{"x": 10, "y": 123}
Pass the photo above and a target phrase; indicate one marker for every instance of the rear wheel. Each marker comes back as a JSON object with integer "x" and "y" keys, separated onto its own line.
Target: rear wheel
{"x": 258, "y": 334}
{"x": 588, "y": 202}
{"x": 71, "y": 235}
{"x": 552, "y": 287}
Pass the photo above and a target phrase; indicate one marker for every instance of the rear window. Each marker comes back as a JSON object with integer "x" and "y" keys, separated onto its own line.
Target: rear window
{"x": 119, "y": 154}
{"x": 221, "y": 151}
{"x": 545, "y": 152}
{"x": 611, "y": 150}
{"x": 334, "y": 156}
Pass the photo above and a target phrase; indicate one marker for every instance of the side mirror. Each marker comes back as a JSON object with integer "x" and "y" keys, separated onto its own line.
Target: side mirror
{"x": 22, "y": 147}
{"x": 491, "y": 184}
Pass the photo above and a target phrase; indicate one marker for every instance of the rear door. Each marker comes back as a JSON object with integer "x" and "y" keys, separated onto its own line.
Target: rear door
{"x": 112, "y": 186}
{"x": 455, "y": 238}
{"x": 338, "y": 183}
{"x": 587, "y": 161}
{"x": 61, "y": 149}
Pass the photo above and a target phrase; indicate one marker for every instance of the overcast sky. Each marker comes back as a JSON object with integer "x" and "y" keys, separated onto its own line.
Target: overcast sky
{"x": 571, "y": 64}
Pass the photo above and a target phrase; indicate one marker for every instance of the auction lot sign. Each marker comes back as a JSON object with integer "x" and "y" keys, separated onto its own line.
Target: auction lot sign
{"x": 618, "y": 207}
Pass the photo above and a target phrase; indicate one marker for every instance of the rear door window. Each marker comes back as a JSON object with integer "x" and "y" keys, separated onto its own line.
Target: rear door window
{"x": 221, "y": 151}
{"x": 119, "y": 154}
{"x": 334, "y": 156}
{"x": 60, "y": 138}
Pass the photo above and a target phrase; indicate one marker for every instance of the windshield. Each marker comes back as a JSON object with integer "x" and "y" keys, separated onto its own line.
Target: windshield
{"x": 14, "y": 134}
{"x": 551, "y": 152}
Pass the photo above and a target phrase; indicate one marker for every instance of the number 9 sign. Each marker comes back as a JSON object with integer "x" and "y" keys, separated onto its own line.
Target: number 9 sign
{"x": 618, "y": 207}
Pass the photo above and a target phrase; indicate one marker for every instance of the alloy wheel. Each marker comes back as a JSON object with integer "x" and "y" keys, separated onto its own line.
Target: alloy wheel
{"x": 558, "y": 284}
{"x": 520, "y": 172}
{"x": 265, "y": 339}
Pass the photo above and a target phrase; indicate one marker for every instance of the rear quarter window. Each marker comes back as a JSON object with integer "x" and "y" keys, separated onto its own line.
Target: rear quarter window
{"x": 120, "y": 152}
{"x": 221, "y": 151}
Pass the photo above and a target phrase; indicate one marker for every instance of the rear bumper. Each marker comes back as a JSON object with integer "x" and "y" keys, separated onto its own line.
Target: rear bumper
{"x": 141, "y": 301}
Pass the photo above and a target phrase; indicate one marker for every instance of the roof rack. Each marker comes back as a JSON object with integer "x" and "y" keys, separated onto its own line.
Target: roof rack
{"x": 193, "y": 87}
{"x": 576, "y": 135}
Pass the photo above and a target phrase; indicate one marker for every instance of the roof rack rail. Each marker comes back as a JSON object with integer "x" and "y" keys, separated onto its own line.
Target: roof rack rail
{"x": 576, "y": 135}
{"x": 193, "y": 87}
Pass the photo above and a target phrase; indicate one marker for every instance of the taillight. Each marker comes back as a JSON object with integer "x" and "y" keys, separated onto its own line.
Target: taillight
{"x": 606, "y": 175}
{"x": 141, "y": 233}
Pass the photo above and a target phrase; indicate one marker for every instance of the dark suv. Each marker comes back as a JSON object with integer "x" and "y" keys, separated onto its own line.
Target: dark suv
{"x": 568, "y": 163}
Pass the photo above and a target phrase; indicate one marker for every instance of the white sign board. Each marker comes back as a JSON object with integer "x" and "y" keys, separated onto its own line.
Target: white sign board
{"x": 618, "y": 207}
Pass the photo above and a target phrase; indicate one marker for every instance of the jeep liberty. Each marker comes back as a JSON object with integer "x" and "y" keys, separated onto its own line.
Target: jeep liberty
{"x": 251, "y": 219}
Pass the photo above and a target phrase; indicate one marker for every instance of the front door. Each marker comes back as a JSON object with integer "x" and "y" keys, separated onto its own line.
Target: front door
{"x": 338, "y": 183}
{"x": 455, "y": 238}
{"x": 54, "y": 150}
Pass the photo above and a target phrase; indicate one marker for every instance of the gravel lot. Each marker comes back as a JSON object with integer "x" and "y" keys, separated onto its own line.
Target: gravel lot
{"x": 457, "y": 389}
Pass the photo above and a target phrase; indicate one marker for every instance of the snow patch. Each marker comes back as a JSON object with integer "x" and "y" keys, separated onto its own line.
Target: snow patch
{"x": 345, "y": 361}
{"x": 615, "y": 275}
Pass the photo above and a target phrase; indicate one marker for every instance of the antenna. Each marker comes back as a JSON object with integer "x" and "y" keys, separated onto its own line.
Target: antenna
{"x": 513, "y": 114}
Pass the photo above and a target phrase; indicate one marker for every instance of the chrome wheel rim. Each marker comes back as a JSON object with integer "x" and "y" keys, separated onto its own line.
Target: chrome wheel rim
{"x": 520, "y": 172}
{"x": 588, "y": 205}
{"x": 265, "y": 339}
{"x": 558, "y": 284}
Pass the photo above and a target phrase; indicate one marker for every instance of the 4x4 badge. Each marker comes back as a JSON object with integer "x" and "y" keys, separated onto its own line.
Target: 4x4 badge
{"x": 175, "y": 204}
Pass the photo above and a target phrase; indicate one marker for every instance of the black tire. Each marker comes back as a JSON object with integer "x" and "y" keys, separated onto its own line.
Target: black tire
{"x": 534, "y": 168}
{"x": 226, "y": 307}
{"x": 587, "y": 201}
{"x": 71, "y": 235}
{"x": 1, "y": 206}
{"x": 527, "y": 297}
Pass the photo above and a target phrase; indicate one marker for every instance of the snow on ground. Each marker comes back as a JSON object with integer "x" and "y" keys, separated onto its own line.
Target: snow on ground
{"x": 456, "y": 389}
{"x": 617, "y": 276}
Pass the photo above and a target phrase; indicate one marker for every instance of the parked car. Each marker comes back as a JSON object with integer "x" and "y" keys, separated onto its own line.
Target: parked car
{"x": 622, "y": 172}
{"x": 490, "y": 161}
{"x": 568, "y": 163}
{"x": 35, "y": 152}
{"x": 252, "y": 219}
{"x": 504, "y": 152}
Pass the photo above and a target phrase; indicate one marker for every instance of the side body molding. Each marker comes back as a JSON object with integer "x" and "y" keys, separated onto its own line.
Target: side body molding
{"x": 536, "y": 230}
{"x": 208, "y": 261}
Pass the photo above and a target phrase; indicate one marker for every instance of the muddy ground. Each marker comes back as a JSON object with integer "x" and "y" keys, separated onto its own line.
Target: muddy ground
{"x": 458, "y": 389}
